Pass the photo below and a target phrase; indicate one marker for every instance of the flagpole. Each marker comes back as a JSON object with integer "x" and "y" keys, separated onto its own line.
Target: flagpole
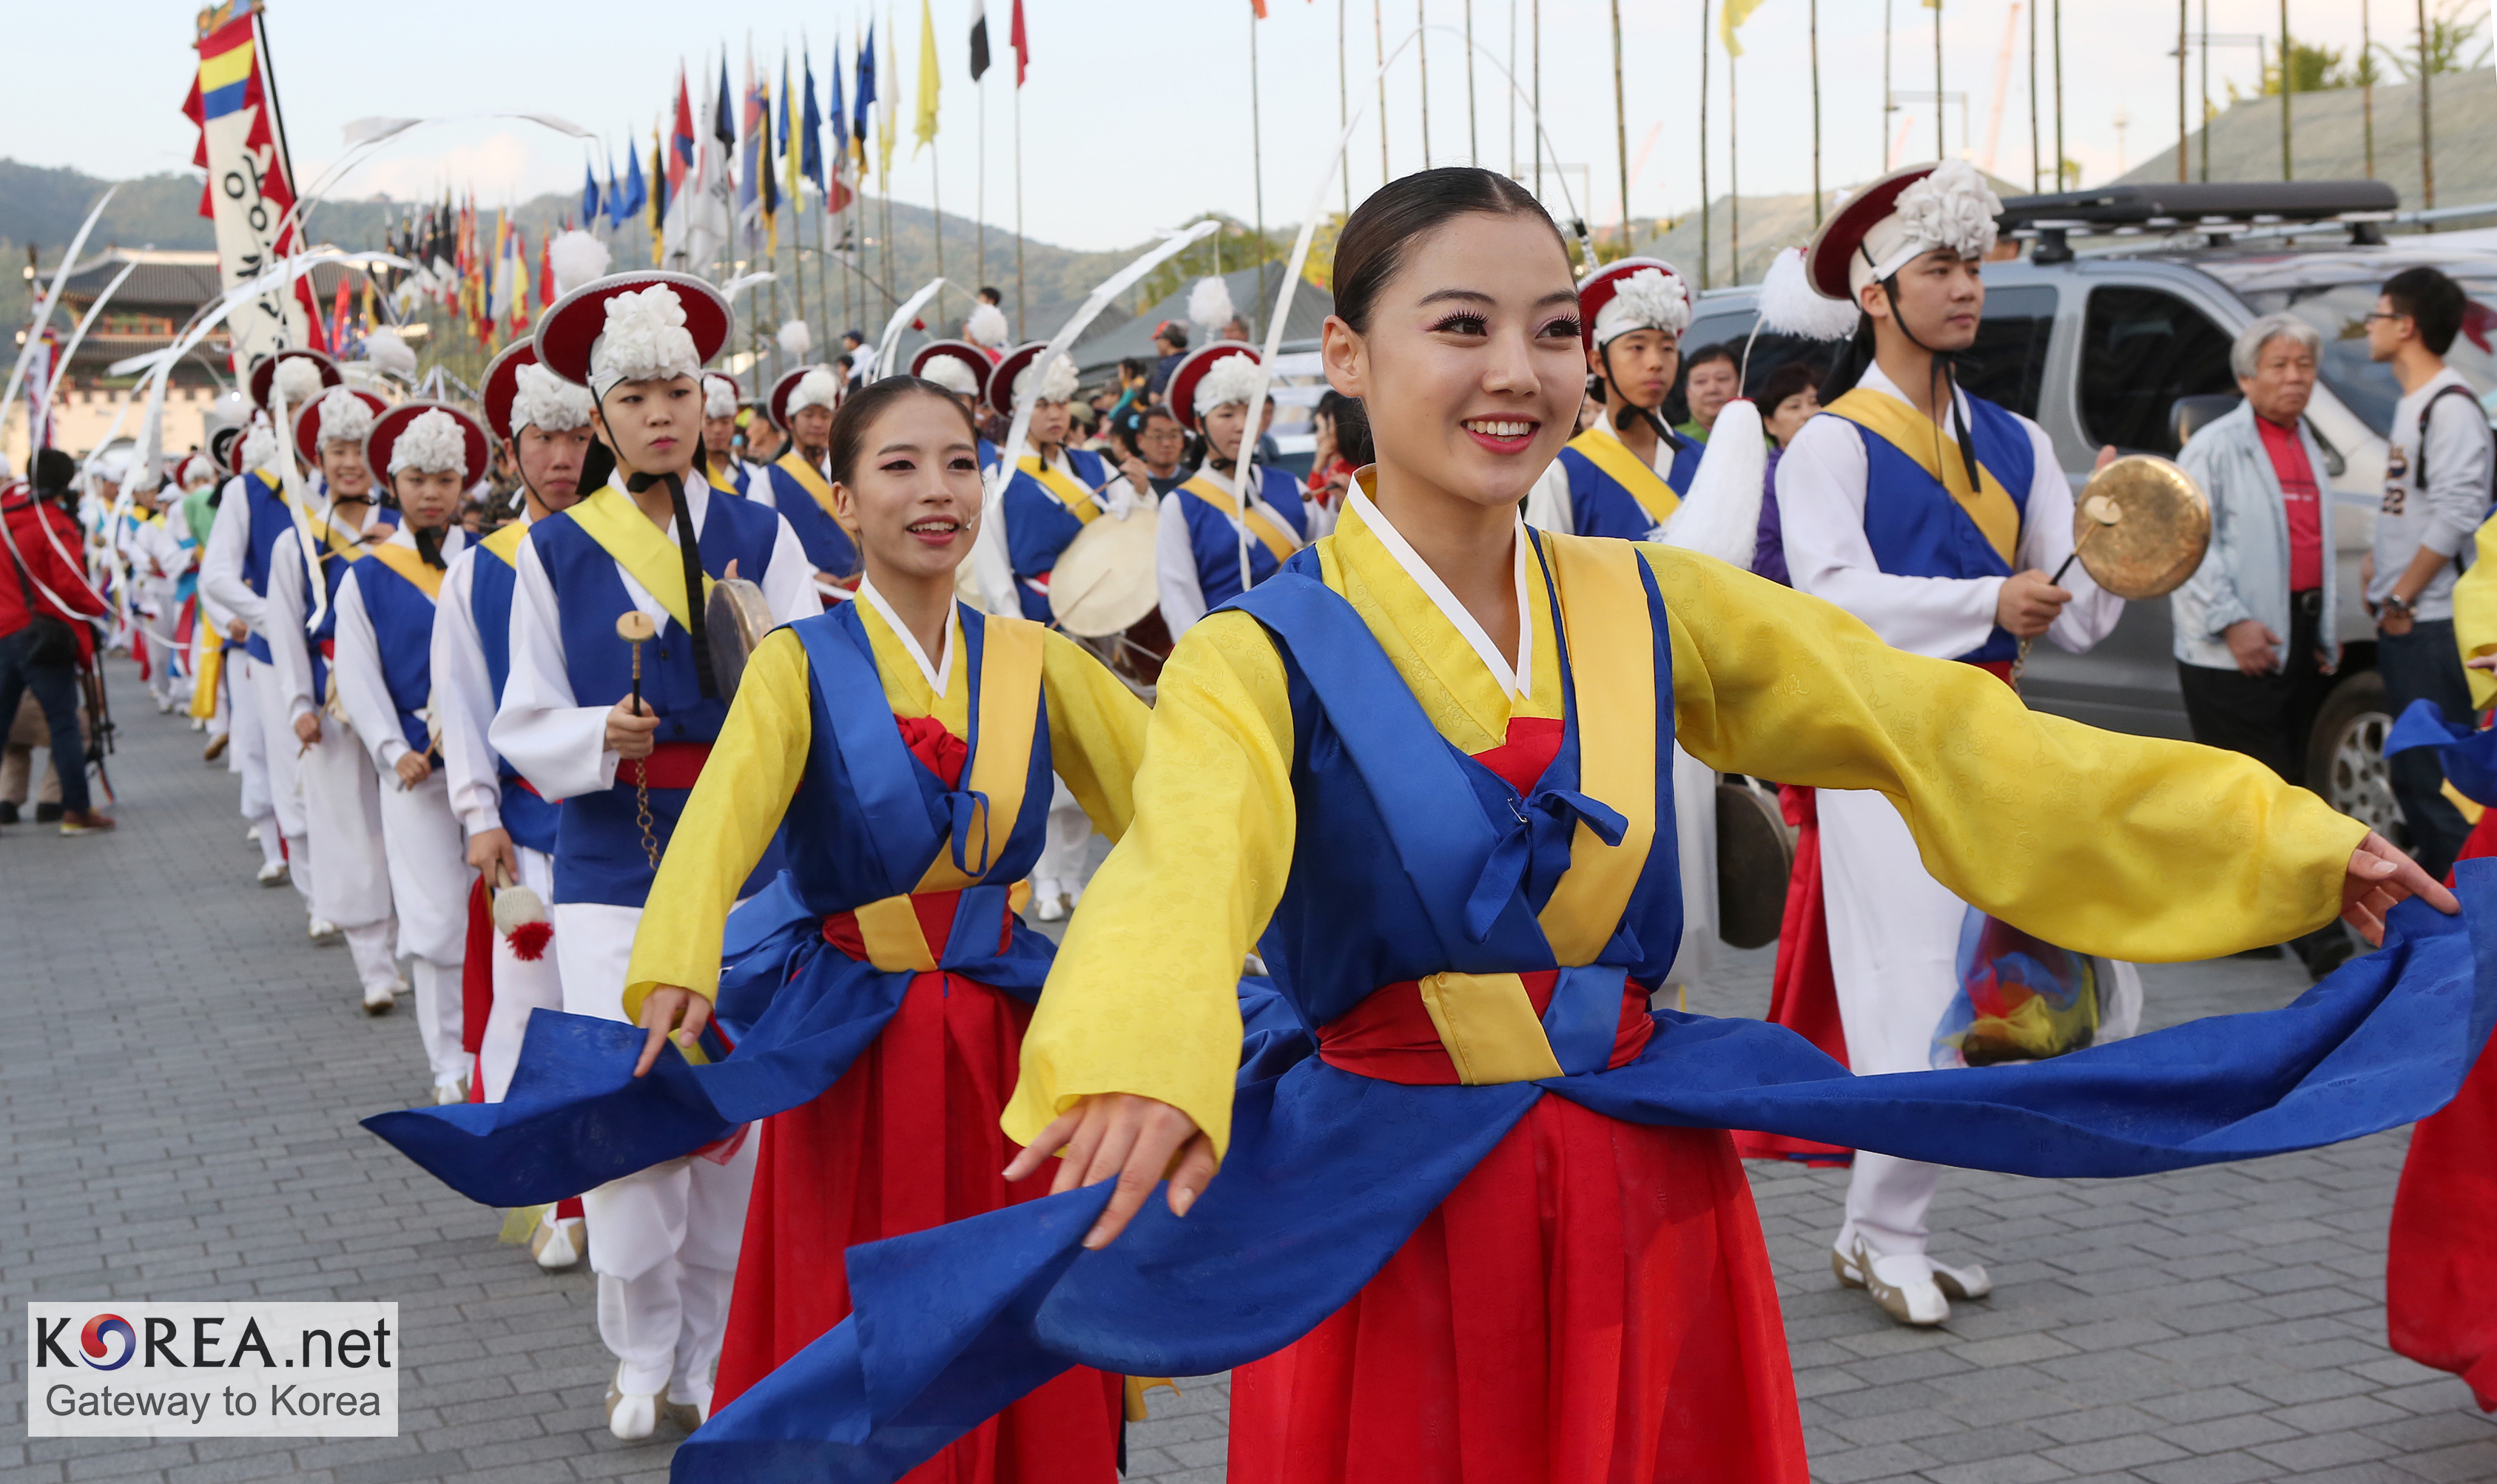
{"x": 1733, "y": 170}
{"x": 1473, "y": 144}
{"x": 2037, "y": 141}
{"x": 1941, "y": 149}
{"x": 1422, "y": 27}
{"x": 1703, "y": 143}
{"x": 1814, "y": 22}
{"x": 1513, "y": 92}
{"x": 1536, "y": 144}
{"x": 1344, "y": 91}
{"x": 1379, "y": 46}
{"x": 1889, "y": 99}
{"x": 1018, "y": 168}
{"x": 1620, "y": 129}
{"x": 2059, "y": 93}
{"x": 1256, "y": 161}
{"x": 980, "y": 184}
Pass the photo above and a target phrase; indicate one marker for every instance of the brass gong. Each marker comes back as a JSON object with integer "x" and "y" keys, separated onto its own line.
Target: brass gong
{"x": 2141, "y": 526}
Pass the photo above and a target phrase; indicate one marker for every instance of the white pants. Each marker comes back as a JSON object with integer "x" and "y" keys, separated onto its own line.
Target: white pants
{"x": 428, "y": 880}
{"x": 663, "y": 1241}
{"x": 1893, "y": 949}
{"x": 519, "y": 986}
{"x": 1060, "y": 868}
{"x": 280, "y": 747}
{"x": 342, "y": 814}
{"x": 247, "y": 748}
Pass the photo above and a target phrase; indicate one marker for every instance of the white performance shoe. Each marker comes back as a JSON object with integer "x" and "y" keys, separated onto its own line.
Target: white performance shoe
{"x": 324, "y": 931}
{"x": 558, "y": 1244}
{"x": 631, "y": 1417}
{"x": 1969, "y": 1283}
{"x": 1904, "y": 1286}
{"x": 379, "y": 998}
{"x": 692, "y": 1409}
{"x": 274, "y": 873}
{"x": 455, "y": 1090}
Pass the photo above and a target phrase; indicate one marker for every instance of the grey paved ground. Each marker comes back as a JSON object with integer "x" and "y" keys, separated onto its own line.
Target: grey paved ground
{"x": 179, "y": 1107}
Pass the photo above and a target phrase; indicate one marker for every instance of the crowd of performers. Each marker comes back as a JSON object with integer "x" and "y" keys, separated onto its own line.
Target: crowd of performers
{"x": 1345, "y": 1076}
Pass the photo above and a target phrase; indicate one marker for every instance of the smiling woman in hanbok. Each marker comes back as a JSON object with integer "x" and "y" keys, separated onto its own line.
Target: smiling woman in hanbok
{"x": 1424, "y": 768}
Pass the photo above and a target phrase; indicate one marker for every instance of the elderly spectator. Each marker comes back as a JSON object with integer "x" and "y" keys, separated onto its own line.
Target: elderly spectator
{"x": 2436, "y": 494}
{"x": 1787, "y": 399}
{"x": 2254, "y": 653}
{"x": 1711, "y": 378}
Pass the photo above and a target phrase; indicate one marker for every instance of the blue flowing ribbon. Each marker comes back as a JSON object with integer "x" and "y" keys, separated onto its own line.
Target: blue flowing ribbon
{"x": 1538, "y": 830}
{"x": 2469, "y": 755}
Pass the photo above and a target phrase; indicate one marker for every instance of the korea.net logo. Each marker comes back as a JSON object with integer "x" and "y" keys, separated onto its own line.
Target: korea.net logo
{"x": 245, "y": 1370}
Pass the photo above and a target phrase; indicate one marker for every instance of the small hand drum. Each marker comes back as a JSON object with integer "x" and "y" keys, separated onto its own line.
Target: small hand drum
{"x": 1106, "y": 580}
{"x": 1755, "y": 857}
{"x": 2141, "y": 526}
{"x": 735, "y": 618}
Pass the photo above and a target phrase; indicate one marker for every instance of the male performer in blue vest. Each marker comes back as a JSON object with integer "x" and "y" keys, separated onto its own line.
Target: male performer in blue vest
{"x": 727, "y": 472}
{"x": 341, "y": 792}
{"x": 233, "y": 571}
{"x": 615, "y": 752}
{"x": 1056, "y": 490}
{"x": 800, "y": 488}
{"x": 430, "y": 452}
{"x": 1201, "y": 534}
{"x": 544, "y": 423}
{"x": 1626, "y": 472}
{"x": 1936, "y": 518}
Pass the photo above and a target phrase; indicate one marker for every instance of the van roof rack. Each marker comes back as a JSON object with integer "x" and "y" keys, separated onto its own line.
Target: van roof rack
{"x": 2211, "y": 207}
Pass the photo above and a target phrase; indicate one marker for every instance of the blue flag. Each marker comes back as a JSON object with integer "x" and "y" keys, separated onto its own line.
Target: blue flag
{"x": 841, "y": 113}
{"x": 810, "y": 144}
{"x": 865, "y": 100}
{"x": 588, "y": 194}
{"x": 617, "y": 210}
{"x": 636, "y": 194}
{"x": 723, "y": 123}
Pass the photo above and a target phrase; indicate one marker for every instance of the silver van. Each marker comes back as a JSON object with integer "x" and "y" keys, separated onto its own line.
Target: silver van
{"x": 2126, "y": 343}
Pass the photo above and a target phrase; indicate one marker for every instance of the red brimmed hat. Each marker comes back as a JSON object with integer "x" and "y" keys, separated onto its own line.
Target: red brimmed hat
{"x": 1181, "y": 393}
{"x": 776, "y": 406}
{"x": 998, "y": 391}
{"x": 1606, "y": 282}
{"x": 975, "y": 359}
{"x": 503, "y": 385}
{"x": 1841, "y": 239}
{"x": 264, "y": 375}
{"x": 307, "y": 424}
{"x": 572, "y": 324}
{"x": 388, "y": 428}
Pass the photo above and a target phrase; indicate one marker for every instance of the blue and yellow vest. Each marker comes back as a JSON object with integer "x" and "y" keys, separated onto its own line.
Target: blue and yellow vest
{"x": 492, "y": 580}
{"x": 1039, "y": 525}
{"x": 1215, "y": 542}
{"x": 1917, "y": 528}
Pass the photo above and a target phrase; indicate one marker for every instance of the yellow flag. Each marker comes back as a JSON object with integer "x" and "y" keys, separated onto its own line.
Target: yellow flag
{"x": 928, "y": 77}
{"x": 1735, "y": 13}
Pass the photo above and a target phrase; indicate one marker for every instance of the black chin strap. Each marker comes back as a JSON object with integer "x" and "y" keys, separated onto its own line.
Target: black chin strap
{"x": 1940, "y": 385}
{"x": 429, "y": 544}
{"x": 691, "y": 551}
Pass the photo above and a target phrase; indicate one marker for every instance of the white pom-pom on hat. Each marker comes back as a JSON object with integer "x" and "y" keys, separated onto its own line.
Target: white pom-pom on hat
{"x": 719, "y": 396}
{"x": 1057, "y": 385}
{"x": 1952, "y": 208}
{"x": 818, "y": 387}
{"x": 299, "y": 379}
{"x": 385, "y": 351}
{"x": 1650, "y": 299}
{"x": 644, "y": 339}
{"x": 259, "y": 446}
{"x": 577, "y": 258}
{"x": 1231, "y": 379}
{"x": 1789, "y": 305}
{"x": 796, "y": 340}
{"x": 986, "y": 326}
{"x": 434, "y": 442}
{"x": 1209, "y": 304}
{"x": 949, "y": 372}
{"x": 344, "y": 417}
{"x": 547, "y": 402}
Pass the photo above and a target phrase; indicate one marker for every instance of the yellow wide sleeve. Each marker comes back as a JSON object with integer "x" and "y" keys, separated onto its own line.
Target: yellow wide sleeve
{"x": 2129, "y": 847}
{"x": 2475, "y": 616}
{"x": 727, "y": 825}
{"x": 1145, "y": 995}
{"x": 1097, "y": 733}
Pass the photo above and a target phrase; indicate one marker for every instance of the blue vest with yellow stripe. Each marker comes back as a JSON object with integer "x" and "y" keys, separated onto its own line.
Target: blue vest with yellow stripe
{"x": 1917, "y": 530}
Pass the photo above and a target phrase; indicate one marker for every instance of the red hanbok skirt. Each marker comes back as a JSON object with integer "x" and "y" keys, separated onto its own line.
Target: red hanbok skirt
{"x": 907, "y": 1140}
{"x": 1592, "y": 1305}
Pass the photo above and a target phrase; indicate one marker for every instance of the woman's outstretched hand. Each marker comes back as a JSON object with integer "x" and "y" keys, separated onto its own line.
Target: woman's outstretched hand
{"x": 1134, "y": 1138}
{"x": 669, "y": 1009}
{"x": 2379, "y": 877}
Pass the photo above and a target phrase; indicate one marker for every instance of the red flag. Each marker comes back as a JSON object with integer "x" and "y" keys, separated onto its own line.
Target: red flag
{"x": 1022, "y": 45}
{"x": 338, "y": 314}
{"x": 546, "y": 271}
{"x": 680, "y": 154}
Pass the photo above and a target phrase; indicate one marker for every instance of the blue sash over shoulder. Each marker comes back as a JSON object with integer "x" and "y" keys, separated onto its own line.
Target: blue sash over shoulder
{"x": 1329, "y": 1172}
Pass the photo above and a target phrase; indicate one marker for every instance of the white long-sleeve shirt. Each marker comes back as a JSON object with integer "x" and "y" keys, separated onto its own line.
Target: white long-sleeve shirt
{"x": 221, "y": 558}
{"x": 1176, "y": 578}
{"x": 288, "y": 608}
{"x": 363, "y": 692}
{"x": 464, "y": 698}
{"x": 1820, "y": 505}
{"x": 560, "y": 746}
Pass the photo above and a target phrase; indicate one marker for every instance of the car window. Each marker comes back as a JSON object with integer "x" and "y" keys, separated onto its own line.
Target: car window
{"x": 2339, "y": 313}
{"x": 2140, "y": 350}
{"x": 2006, "y": 366}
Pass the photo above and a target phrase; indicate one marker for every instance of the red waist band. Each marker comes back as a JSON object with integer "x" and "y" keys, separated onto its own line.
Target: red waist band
{"x": 2000, "y": 669}
{"x": 1389, "y": 1035}
{"x": 672, "y": 765}
{"x": 936, "y": 911}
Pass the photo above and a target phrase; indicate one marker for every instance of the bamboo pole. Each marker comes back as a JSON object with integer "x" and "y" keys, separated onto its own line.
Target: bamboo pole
{"x": 2289, "y": 85}
{"x": 1703, "y": 143}
{"x": 1621, "y": 128}
{"x": 1813, "y": 21}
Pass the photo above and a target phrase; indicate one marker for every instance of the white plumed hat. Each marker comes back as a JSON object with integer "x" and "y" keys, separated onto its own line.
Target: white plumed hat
{"x": 796, "y": 340}
{"x": 298, "y": 380}
{"x": 577, "y": 258}
{"x": 818, "y": 387}
{"x": 1209, "y": 304}
{"x": 1788, "y": 305}
{"x": 434, "y": 442}
{"x": 345, "y": 416}
{"x": 547, "y": 402}
{"x": 719, "y": 396}
{"x": 986, "y": 326}
{"x": 1057, "y": 385}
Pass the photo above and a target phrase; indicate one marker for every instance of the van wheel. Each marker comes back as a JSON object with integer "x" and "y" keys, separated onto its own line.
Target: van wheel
{"x": 2345, "y": 756}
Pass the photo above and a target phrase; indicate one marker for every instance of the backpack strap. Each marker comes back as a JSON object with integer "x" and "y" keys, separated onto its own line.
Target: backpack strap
{"x": 2418, "y": 479}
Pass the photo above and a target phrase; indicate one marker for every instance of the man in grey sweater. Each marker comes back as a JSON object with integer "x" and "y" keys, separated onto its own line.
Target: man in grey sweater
{"x": 2436, "y": 494}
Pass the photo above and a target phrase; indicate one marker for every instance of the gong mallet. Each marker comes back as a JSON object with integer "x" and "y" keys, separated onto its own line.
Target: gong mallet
{"x": 635, "y": 628}
{"x": 2102, "y": 512}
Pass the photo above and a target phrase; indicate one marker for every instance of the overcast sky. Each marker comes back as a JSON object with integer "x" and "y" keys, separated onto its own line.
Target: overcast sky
{"x": 1136, "y": 114}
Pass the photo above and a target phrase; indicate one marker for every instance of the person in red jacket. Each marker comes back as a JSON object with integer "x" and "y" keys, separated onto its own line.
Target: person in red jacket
{"x": 44, "y": 640}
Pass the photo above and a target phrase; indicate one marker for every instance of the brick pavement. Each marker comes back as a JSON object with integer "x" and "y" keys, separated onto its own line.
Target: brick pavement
{"x": 183, "y": 1126}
